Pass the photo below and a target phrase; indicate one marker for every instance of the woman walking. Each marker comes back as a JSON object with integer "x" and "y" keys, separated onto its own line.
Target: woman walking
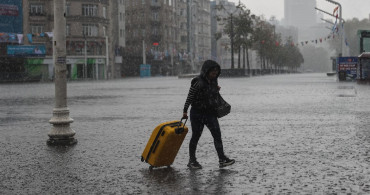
{"x": 202, "y": 96}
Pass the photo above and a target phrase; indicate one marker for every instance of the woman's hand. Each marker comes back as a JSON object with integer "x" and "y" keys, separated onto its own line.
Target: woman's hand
{"x": 185, "y": 115}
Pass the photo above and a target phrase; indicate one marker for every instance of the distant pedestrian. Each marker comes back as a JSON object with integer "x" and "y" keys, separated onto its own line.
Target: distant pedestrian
{"x": 202, "y": 97}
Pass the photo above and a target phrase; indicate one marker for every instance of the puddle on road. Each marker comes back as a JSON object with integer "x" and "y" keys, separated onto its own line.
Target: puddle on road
{"x": 346, "y": 87}
{"x": 347, "y": 91}
{"x": 346, "y": 95}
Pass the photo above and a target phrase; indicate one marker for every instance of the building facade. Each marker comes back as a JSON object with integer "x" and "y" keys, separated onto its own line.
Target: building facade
{"x": 176, "y": 34}
{"x": 94, "y": 36}
{"x": 89, "y": 40}
{"x": 201, "y": 32}
{"x": 153, "y": 29}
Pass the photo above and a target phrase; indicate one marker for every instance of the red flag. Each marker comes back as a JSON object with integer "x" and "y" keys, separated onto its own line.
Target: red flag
{"x": 336, "y": 10}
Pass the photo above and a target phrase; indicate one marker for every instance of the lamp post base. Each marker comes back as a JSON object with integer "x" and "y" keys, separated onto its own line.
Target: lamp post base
{"x": 61, "y": 142}
{"x": 61, "y": 132}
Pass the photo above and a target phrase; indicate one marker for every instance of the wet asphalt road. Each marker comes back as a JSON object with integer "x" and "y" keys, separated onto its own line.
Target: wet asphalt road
{"x": 290, "y": 134}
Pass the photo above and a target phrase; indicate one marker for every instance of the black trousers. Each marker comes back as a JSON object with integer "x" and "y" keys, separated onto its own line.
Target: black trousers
{"x": 198, "y": 120}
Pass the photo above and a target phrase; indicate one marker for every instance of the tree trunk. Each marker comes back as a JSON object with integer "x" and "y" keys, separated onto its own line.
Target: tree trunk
{"x": 243, "y": 58}
{"x": 249, "y": 69}
{"x": 239, "y": 58}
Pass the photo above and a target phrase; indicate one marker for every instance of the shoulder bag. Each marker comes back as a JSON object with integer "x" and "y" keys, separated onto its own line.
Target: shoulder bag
{"x": 223, "y": 108}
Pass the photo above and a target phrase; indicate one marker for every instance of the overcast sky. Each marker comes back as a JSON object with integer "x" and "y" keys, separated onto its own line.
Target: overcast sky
{"x": 351, "y": 8}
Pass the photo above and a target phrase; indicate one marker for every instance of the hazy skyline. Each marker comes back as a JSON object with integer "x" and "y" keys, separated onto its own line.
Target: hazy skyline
{"x": 351, "y": 8}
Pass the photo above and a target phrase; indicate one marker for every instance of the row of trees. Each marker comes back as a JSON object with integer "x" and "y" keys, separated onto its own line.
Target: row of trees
{"x": 251, "y": 32}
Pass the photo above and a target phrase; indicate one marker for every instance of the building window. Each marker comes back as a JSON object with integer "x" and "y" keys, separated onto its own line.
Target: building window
{"x": 37, "y": 28}
{"x": 121, "y": 33}
{"x": 68, "y": 9}
{"x": 36, "y": 9}
{"x": 155, "y": 31}
{"x": 89, "y": 10}
{"x": 104, "y": 31}
{"x": 105, "y": 12}
{"x": 68, "y": 29}
{"x": 90, "y": 30}
{"x": 155, "y": 16}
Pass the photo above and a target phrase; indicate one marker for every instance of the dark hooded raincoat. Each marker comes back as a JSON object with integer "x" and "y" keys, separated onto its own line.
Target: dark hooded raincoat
{"x": 203, "y": 93}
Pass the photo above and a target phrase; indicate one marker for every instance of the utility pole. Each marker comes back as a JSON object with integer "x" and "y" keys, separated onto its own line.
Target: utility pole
{"x": 144, "y": 55}
{"x": 171, "y": 53}
{"x": 61, "y": 132}
{"x": 232, "y": 40}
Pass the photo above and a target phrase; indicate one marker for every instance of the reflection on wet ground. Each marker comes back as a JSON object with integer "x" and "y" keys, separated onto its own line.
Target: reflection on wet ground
{"x": 290, "y": 134}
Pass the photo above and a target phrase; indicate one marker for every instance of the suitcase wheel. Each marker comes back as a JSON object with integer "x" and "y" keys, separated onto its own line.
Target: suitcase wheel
{"x": 151, "y": 168}
{"x": 142, "y": 159}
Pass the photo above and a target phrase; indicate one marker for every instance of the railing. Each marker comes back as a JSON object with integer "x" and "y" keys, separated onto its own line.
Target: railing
{"x": 155, "y": 22}
{"x": 156, "y": 38}
{"x": 37, "y": 14}
{"x": 18, "y": 77}
{"x": 155, "y": 5}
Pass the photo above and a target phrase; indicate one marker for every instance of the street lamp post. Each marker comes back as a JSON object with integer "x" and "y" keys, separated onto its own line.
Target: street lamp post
{"x": 243, "y": 49}
{"x": 232, "y": 40}
{"x": 340, "y": 24}
{"x": 61, "y": 132}
{"x": 85, "y": 56}
{"x": 341, "y": 21}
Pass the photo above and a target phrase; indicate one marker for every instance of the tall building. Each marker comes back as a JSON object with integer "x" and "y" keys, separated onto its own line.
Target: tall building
{"x": 89, "y": 34}
{"x": 300, "y": 13}
{"x": 201, "y": 32}
{"x": 221, "y": 46}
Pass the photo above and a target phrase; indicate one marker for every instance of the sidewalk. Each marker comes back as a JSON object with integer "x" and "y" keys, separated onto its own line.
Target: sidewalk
{"x": 290, "y": 134}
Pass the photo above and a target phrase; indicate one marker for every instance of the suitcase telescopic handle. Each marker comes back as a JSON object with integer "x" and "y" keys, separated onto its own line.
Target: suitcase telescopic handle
{"x": 186, "y": 119}
{"x": 179, "y": 129}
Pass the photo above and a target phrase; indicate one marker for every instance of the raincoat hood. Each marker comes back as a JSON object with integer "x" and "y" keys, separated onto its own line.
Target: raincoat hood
{"x": 207, "y": 66}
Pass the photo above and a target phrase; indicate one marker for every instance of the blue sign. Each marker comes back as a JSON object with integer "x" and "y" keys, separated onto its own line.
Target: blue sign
{"x": 26, "y": 50}
{"x": 11, "y": 16}
{"x": 348, "y": 65}
{"x": 145, "y": 70}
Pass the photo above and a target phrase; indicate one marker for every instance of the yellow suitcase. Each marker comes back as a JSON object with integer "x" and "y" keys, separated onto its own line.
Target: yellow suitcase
{"x": 164, "y": 143}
